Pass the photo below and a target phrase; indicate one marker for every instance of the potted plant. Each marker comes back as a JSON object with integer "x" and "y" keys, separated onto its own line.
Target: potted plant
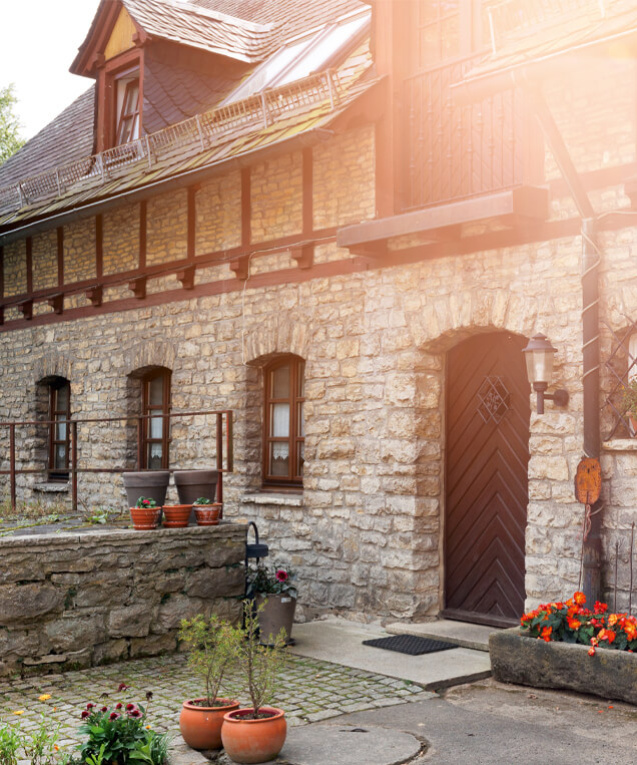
{"x": 275, "y": 595}
{"x": 629, "y": 404}
{"x": 206, "y": 511}
{"x": 256, "y": 734}
{"x": 145, "y": 514}
{"x": 176, "y": 516}
{"x": 147, "y": 483}
{"x": 213, "y": 647}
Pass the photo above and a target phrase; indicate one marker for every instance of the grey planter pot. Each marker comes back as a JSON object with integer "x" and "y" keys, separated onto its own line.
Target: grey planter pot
{"x": 278, "y": 612}
{"x": 192, "y": 484}
{"x": 150, "y": 483}
{"x": 519, "y": 659}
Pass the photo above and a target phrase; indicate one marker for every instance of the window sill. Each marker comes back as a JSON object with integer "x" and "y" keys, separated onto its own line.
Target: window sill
{"x": 272, "y": 498}
{"x": 52, "y": 487}
{"x": 620, "y": 445}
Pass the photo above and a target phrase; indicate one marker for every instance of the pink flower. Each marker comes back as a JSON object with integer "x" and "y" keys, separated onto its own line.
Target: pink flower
{"x": 281, "y": 575}
{"x": 135, "y": 713}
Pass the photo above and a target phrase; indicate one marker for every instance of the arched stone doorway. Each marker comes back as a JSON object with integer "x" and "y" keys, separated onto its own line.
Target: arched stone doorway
{"x": 486, "y": 479}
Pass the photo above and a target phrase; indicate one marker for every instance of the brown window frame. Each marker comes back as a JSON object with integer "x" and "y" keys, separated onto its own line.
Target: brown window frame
{"x": 470, "y": 33}
{"x": 129, "y": 64}
{"x": 294, "y": 479}
{"x": 56, "y": 415}
{"x": 126, "y": 119}
{"x": 151, "y": 409}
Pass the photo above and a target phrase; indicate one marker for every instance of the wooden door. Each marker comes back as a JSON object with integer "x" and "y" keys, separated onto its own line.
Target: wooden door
{"x": 487, "y": 457}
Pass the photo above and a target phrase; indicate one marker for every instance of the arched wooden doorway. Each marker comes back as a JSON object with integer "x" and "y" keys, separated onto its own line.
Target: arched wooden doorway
{"x": 487, "y": 455}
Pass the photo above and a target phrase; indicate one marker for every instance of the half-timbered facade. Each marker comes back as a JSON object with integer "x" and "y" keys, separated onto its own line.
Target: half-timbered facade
{"x": 342, "y": 221}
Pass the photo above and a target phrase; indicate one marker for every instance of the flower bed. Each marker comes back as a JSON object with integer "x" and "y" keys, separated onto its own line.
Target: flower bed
{"x": 557, "y": 647}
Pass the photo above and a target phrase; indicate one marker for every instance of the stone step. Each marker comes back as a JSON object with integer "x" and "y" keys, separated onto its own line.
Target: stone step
{"x": 463, "y": 634}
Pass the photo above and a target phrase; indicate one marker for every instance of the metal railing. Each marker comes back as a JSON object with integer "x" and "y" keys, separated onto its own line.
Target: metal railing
{"x": 223, "y": 435}
{"x": 196, "y": 134}
{"x": 453, "y": 152}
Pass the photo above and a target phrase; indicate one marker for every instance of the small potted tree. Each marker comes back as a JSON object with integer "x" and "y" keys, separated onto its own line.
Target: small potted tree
{"x": 256, "y": 734}
{"x": 206, "y": 511}
{"x": 275, "y": 593}
{"x": 213, "y": 648}
{"x": 145, "y": 514}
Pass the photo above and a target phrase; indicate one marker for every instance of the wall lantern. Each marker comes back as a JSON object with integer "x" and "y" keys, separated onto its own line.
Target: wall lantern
{"x": 539, "y": 354}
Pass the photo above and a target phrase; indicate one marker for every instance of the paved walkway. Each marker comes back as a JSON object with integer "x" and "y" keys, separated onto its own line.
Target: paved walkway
{"x": 310, "y": 690}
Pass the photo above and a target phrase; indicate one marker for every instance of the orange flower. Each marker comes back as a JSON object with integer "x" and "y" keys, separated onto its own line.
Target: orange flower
{"x": 591, "y": 651}
{"x": 546, "y": 633}
{"x": 606, "y": 635}
{"x": 579, "y": 598}
{"x": 630, "y": 630}
{"x": 612, "y": 620}
{"x": 574, "y": 624}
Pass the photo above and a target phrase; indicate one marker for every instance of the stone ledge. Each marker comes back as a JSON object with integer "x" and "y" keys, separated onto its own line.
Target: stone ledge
{"x": 620, "y": 445}
{"x": 523, "y": 660}
{"x": 52, "y": 488}
{"x": 270, "y": 498}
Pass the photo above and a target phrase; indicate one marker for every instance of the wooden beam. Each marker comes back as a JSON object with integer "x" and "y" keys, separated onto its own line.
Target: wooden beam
{"x": 99, "y": 246}
{"x": 246, "y": 207}
{"x": 95, "y": 295}
{"x": 187, "y": 277}
{"x": 60, "y": 242}
{"x": 1, "y": 315}
{"x": 1, "y": 272}
{"x": 304, "y": 256}
{"x": 29, "y": 264}
{"x": 138, "y": 287}
{"x": 26, "y": 308}
{"x": 142, "y": 234}
{"x": 56, "y": 303}
{"x": 241, "y": 267}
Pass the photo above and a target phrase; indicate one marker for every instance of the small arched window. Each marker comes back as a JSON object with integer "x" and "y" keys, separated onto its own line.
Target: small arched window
{"x": 155, "y": 428}
{"x": 59, "y": 430}
{"x": 284, "y": 433}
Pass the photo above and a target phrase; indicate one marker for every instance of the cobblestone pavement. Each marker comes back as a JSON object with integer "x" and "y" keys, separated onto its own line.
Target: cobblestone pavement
{"x": 310, "y": 690}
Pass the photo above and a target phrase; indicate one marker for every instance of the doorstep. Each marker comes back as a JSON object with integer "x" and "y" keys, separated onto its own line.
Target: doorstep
{"x": 463, "y": 634}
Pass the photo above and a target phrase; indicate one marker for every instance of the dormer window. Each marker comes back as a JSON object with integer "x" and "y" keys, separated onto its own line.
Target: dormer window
{"x": 127, "y": 107}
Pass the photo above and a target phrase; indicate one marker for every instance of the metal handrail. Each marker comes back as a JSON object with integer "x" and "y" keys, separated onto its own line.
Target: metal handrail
{"x": 74, "y": 470}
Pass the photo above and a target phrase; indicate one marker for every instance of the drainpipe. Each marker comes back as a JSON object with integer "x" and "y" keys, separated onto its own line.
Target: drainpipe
{"x": 592, "y": 544}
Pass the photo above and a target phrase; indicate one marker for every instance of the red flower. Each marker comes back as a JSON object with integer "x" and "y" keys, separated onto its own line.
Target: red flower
{"x": 546, "y": 633}
{"x": 103, "y": 709}
{"x": 281, "y": 575}
{"x": 90, "y": 705}
{"x": 84, "y": 714}
{"x": 113, "y": 716}
{"x": 123, "y": 686}
{"x": 135, "y": 713}
{"x": 119, "y": 705}
{"x": 591, "y": 651}
{"x": 579, "y": 598}
{"x": 600, "y": 608}
{"x": 130, "y": 707}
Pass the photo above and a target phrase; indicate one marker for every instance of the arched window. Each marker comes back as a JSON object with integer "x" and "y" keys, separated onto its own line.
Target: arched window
{"x": 155, "y": 427}
{"x": 59, "y": 431}
{"x": 283, "y": 447}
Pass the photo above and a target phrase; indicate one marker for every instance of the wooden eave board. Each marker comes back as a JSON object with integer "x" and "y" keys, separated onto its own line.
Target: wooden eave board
{"x": 532, "y": 203}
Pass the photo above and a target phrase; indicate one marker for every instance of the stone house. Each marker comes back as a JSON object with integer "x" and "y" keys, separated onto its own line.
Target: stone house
{"x": 342, "y": 221}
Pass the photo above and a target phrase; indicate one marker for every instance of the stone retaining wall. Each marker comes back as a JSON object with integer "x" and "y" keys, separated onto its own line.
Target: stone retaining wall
{"x": 75, "y": 600}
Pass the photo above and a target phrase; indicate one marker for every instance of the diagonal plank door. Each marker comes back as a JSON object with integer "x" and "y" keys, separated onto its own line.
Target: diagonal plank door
{"x": 488, "y": 416}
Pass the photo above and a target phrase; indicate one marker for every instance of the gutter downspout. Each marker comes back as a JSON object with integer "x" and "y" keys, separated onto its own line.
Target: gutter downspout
{"x": 591, "y": 259}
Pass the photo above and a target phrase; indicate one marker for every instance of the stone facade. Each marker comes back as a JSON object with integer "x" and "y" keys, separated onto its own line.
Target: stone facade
{"x": 69, "y": 600}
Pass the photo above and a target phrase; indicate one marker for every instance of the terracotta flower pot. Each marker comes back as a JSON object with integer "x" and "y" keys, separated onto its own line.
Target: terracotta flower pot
{"x": 251, "y": 741}
{"x": 207, "y": 515}
{"x": 201, "y": 726}
{"x": 176, "y": 516}
{"x": 145, "y": 518}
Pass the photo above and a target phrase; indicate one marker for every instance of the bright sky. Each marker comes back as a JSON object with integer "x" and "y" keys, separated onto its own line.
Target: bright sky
{"x": 40, "y": 39}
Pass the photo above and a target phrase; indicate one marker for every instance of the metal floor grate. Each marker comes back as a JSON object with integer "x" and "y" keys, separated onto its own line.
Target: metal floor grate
{"x": 409, "y": 644}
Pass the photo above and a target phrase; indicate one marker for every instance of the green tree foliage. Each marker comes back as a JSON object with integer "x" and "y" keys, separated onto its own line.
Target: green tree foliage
{"x": 10, "y": 140}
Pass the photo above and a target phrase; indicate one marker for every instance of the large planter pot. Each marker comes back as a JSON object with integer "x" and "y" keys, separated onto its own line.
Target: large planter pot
{"x": 149, "y": 483}
{"x": 207, "y": 515}
{"x": 192, "y": 484}
{"x": 145, "y": 518}
{"x": 201, "y": 726}
{"x": 278, "y": 611}
{"x": 176, "y": 516}
{"x": 252, "y": 741}
{"x": 523, "y": 660}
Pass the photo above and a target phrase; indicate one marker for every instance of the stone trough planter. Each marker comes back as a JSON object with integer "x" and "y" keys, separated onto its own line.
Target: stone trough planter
{"x": 523, "y": 660}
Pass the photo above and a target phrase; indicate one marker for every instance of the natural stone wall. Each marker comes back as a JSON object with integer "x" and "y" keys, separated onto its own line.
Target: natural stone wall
{"x": 76, "y": 600}
{"x": 276, "y": 197}
{"x": 167, "y": 223}
{"x": 45, "y": 260}
{"x": 79, "y": 251}
{"x": 15, "y": 268}
{"x": 218, "y": 218}
{"x": 120, "y": 240}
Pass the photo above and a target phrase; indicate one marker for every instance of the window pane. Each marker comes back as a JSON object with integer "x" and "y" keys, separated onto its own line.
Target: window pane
{"x": 280, "y": 382}
{"x": 62, "y": 398}
{"x": 301, "y": 419}
{"x": 154, "y": 456}
{"x": 300, "y": 458}
{"x": 156, "y": 427}
{"x": 450, "y": 37}
{"x": 280, "y": 420}
{"x": 60, "y": 431}
{"x": 60, "y": 456}
{"x": 156, "y": 391}
{"x": 279, "y": 459}
{"x": 301, "y": 384}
